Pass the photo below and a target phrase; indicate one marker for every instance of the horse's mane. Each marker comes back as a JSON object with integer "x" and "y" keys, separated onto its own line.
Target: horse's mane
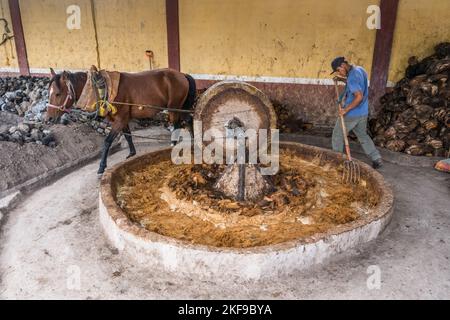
{"x": 56, "y": 79}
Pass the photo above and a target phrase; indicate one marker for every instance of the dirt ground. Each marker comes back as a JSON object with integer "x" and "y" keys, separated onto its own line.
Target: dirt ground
{"x": 20, "y": 163}
{"x": 52, "y": 247}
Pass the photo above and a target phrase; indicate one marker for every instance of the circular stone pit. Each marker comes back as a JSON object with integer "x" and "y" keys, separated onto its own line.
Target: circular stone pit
{"x": 253, "y": 262}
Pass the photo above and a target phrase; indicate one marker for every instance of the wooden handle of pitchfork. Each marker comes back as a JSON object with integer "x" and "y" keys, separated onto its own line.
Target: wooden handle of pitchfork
{"x": 344, "y": 129}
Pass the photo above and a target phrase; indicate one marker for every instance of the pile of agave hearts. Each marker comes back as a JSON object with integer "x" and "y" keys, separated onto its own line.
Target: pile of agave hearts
{"x": 415, "y": 116}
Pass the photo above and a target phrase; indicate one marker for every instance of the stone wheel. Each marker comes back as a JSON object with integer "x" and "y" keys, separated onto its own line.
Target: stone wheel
{"x": 233, "y": 102}
{"x": 235, "y": 99}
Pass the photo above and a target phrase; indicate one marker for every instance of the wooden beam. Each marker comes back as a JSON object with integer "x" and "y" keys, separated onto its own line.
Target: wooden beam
{"x": 173, "y": 34}
{"x": 19, "y": 38}
{"x": 382, "y": 52}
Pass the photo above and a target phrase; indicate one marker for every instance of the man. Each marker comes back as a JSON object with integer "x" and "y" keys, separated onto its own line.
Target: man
{"x": 355, "y": 110}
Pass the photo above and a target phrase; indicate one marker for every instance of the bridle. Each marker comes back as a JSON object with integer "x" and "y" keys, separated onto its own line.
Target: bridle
{"x": 70, "y": 96}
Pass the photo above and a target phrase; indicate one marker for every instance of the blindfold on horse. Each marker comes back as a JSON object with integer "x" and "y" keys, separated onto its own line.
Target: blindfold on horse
{"x": 121, "y": 97}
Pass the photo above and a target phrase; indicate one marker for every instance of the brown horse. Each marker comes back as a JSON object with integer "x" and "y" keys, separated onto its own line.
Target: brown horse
{"x": 164, "y": 88}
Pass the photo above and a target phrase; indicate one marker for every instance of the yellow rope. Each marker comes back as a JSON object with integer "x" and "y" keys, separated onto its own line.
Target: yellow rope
{"x": 105, "y": 108}
{"x": 113, "y": 108}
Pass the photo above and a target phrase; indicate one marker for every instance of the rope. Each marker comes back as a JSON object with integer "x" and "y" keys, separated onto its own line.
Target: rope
{"x": 6, "y": 35}
{"x": 144, "y": 137}
{"x": 153, "y": 107}
{"x": 94, "y": 22}
{"x": 5, "y": 38}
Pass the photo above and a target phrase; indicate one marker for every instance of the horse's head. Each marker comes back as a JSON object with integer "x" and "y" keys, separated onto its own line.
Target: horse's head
{"x": 62, "y": 95}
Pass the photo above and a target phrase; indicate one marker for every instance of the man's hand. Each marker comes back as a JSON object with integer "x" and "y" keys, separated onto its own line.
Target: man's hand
{"x": 356, "y": 101}
{"x": 340, "y": 78}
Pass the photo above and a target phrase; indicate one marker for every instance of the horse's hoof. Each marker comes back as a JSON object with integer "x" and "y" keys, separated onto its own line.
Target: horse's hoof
{"x": 131, "y": 155}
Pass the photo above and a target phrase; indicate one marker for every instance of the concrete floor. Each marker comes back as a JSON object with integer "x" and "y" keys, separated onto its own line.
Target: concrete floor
{"x": 52, "y": 247}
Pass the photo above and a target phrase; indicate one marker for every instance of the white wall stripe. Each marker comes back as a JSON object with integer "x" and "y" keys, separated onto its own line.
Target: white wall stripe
{"x": 47, "y": 70}
{"x": 9, "y": 69}
{"x": 316, "y": 81}
{"x": 263, "y": 79}
{"x": 216, "y": 77}
{"x": 390, "y": 84}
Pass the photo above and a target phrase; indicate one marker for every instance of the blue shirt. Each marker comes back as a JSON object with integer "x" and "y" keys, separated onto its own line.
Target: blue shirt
{"x": 357, "y": 81}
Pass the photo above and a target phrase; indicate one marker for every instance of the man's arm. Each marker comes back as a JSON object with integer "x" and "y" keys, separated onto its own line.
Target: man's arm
{"x": 355, "y": 86}
{"x": 358, "y": 98}
{"x": 339, "y": 78}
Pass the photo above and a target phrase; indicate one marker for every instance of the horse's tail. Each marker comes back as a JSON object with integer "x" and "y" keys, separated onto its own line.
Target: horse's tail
{"x": 190, "y": 100}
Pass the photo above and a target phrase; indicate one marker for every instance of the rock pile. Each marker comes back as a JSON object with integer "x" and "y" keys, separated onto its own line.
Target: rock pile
{"x": 24, "y": 96}
{"x": 415, "y": 116}
{"x": 28, "y": 133}
{"x": 287, "y": 121}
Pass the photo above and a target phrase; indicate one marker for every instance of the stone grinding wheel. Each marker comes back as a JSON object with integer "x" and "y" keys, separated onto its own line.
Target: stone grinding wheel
{"x": 222, "y": 103}
{"x": 228, "y": 99}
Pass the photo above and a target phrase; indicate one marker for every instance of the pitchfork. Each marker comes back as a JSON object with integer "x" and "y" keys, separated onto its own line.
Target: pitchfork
{"x": 352, "y": 171}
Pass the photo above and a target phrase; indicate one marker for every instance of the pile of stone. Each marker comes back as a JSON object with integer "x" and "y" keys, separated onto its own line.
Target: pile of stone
{"x": 287, "y": 121}
{"x": 101, "y": 127}
{"x": 160, "y": 119}
{"x": 28, "y": 133}
{"x": 415, "y": 116}
{"x": 24, "y": 96}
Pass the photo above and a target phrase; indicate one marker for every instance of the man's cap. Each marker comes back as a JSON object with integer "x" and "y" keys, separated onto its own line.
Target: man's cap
{"x": 337, "y": 63}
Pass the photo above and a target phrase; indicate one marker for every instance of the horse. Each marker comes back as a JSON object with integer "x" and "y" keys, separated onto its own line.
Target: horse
{"x": 164, "y": 88}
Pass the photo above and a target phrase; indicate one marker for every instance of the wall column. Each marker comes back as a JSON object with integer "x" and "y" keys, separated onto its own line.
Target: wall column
{"x": 382, "y": 52}
{"x": 173, "y": 34}
{"x": 19, "y": 38}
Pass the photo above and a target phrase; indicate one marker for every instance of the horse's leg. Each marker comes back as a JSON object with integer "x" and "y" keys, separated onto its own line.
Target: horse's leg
{"x": 175, "y": 135}
{"x": 189, "y": 124}
{"x": 127, "y": 133}
{"x": 106, "y": 146}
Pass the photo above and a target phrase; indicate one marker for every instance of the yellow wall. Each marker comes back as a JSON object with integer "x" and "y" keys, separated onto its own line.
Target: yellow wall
{"x": 421, "y": 24}
{"x": 49, "y": 42}
{"x": 125, "y": 31}
{"x": 284, "y": 38}
{"x": 8, "y": 56}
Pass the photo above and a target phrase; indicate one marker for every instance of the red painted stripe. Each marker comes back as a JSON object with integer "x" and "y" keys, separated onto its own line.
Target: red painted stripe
{"x": 382, "y": 51}
{"x": 19, "y": 38}
{"x": 173, "y": 34}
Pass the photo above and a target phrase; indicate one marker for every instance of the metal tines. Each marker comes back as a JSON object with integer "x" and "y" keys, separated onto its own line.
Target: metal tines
{"x": 351, "y": 173}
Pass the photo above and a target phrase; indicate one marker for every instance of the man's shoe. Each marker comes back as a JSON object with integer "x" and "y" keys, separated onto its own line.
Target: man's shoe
{"x": 377, "y": 164}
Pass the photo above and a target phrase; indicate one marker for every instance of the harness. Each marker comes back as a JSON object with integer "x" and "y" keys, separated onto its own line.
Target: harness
{"x": 102, "y": 105}
{"x": 70, "y": 96}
